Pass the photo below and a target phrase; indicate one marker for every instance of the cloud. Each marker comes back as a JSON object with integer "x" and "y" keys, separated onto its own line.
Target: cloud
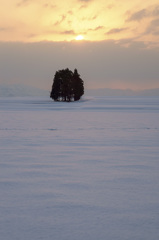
{"x": 6, "y": 29}
{"x": 152, "y": 11}
{"x": 116, "y": 30}
{"x": 52, "y": 32}
{"x": 110, "y": 6}
{"x": 84, "y": 0}
{"x": 134, "y": 43}
{"x": 32, "y": 35}
{"x": 99, "y": 28}
{"x": 96, "y": 29}
{"x": 67, "y": 32}
{"x": 70, "y": 12}
{"x": 155, "y": 11}
{"x": 151, "y": 23}
{"x": 101, "y": 64}
{"x": 139, "y": 15}
{"x": 63, "y": 17}
{"x": 50, "y": 6}
{"x": 23, "y": 2}
{"x": 85, "y": 4}
{"x": 45, "y": 5}
{"x": 153, "y": 28}
{"x": 3, "y": 29}
{"x": 92, "y": 18}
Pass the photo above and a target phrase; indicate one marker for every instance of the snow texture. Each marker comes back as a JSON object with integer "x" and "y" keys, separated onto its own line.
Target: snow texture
{"x": 84, "y": 170}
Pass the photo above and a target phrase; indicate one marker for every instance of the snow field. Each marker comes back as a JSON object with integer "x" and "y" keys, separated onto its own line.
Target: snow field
{"x": 82, "y": 170}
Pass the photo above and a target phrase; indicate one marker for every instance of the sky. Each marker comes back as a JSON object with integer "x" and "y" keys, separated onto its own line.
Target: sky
{"x": 113, "y": 43}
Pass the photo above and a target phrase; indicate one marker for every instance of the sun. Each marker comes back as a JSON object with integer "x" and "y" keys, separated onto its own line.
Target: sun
{"x": 79, "y": 37}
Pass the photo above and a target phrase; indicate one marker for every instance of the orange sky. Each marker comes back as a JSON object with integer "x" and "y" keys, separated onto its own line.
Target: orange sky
{"x": 58, "y": 20}
{"x": 113, "y": 43}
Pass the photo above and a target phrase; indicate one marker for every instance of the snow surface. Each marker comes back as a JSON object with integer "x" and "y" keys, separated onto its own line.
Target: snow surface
{"x": 85, "y": 170}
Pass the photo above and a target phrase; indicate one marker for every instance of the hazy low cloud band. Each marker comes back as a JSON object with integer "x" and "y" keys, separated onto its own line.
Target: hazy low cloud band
{"x": 101, "y": 64}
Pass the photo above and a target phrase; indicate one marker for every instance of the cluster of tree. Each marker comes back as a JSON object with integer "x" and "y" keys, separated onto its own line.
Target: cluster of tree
{"x": 67, "y": 86}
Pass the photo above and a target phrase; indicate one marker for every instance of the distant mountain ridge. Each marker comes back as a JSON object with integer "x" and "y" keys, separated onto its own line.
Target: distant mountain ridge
{"x": 121, "y": 92}
{"x": 20, "y": 90}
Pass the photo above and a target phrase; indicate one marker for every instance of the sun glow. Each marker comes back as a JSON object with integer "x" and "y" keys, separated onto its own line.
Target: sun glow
{"x": 79, "y": 37}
